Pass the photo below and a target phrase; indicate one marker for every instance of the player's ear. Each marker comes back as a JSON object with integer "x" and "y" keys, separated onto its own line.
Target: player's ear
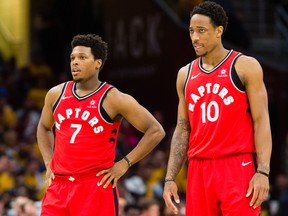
{"x": 219, "y": 31}
{"x": 98, "y": 64}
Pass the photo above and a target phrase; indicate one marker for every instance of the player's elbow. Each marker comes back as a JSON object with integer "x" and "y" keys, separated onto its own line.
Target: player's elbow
{"x": 159, "y": 132}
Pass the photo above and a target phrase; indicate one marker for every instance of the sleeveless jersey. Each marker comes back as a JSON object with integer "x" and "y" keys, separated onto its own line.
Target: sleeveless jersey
{"x": 218, "y": 110}
{"x": 85, "y": 136}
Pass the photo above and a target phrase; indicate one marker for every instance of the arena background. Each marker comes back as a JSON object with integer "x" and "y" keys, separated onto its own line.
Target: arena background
{"x": 148, "y": 42}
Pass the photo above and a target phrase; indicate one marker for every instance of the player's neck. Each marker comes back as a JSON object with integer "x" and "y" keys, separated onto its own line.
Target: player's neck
{"x": 214, "y": 57}
{"x": 86, "y": 87}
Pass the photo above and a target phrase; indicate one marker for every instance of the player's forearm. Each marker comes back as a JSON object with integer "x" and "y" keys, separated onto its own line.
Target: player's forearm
{"x": 263, "y": 145}
{"x": 178, "y": 153}
{"x": 45, "y": 139}
{"x": 151, "y": 138}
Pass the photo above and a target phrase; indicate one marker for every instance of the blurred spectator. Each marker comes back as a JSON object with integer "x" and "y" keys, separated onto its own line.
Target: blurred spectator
{"x": 2, "y": 206}
{"x": 132, "y": 210}
{"x": 136, "y": 184}
{"x": 18, "y": 84}
{"x": 34, "y": 179}
{"x": 7, "y": 173}
{"x": 38, "y": 67}
{"x": 23, "y": 206}
{"x": 27, "y": 119}
{"x": 5, "y": 201}
{"x": 279, "y": 196}
{"x": 122, "y": 203}
{"x": 7, "y": 114}
{"x": 38, "y": 91}
{"x": 167, "y": 212}
{"x": 149, "y": 207}
{"x": 158, "y": 168}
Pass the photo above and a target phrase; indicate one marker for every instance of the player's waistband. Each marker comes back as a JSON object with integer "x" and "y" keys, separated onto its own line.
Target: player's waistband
{"x": 223, "y": 156}
{"x": 77, "y": 177}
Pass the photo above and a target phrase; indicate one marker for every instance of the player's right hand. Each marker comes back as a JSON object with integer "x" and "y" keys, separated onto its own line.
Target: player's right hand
{"x": 49, "y": 176}
{"x": 170, "y": 190}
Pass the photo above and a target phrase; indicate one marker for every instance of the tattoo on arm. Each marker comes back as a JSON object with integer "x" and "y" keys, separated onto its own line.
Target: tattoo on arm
{"x": 261, "y": 164}
{"x": 179, "y": 147}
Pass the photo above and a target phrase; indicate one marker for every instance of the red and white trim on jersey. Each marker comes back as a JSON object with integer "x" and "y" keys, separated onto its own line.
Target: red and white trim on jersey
{"x": 218, "y": 109}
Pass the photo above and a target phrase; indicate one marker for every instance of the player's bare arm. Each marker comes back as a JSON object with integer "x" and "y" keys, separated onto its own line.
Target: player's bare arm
{"x": 45, "y": 136}
{"x": 119, "y": 105}
{"x": 179, "y": 144}
{"x": 251, "y": 75}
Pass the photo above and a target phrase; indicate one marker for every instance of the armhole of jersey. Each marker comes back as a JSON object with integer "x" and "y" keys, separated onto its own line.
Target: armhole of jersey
{"x": 235, "y": 78}
{"x": 57, "y": 101}
{"x": 187, "y": 78}
{"x": 103, "y": 112}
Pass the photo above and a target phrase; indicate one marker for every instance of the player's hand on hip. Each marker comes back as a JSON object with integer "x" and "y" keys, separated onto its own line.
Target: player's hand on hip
{"x": 259, "y": 187}
{"x": 113, "y": 174}
{"x": 170, "y": 190}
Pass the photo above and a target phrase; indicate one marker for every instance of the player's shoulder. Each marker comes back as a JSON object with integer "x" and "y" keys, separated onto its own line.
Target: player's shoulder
{"x": 185, "y": 67}
{"x": 57, "y": 88}
{"x": 183, "y": 72}
{"x": 248, "y": 67}
{"x": 54, "y": 93}
{"x": 114, "y": 95}
{"x": 246, "y": 61}
{"x": 117, "y": 102}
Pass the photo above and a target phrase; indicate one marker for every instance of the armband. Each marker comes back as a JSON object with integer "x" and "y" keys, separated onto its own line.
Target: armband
{"x": 128, "y": 161}
{"x": 263, "y": 173}
{"x": 169, "y": 179}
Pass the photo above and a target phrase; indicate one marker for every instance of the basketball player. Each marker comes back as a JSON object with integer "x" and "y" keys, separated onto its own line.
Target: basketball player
{"x": 85, "y": 116}
{"x": 222, "y": 125}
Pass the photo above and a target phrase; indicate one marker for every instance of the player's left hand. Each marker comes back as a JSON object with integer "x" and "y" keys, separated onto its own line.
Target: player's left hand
{"x": 259, "y": 187}
{"x": 113, "y": 174}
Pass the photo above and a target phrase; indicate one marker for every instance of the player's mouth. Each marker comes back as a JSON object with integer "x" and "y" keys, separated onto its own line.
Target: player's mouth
{"x": 197, "y": 46}
{"x": 75, "y": 70}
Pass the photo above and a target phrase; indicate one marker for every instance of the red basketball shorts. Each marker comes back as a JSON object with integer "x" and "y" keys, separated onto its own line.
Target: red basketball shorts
{"x": 218, "y": 187}
{"x": 79, "y": 195}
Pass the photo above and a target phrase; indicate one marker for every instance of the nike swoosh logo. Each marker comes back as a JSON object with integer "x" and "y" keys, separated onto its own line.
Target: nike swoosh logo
{"x": 245, "y": 164}
{"x": 193, "y": 77}
{"x": 63, "y": 98}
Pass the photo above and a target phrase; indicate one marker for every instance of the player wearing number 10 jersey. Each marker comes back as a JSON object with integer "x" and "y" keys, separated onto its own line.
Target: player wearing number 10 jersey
{"x": 222, "y": 126}
{"x": 217, "y": 100}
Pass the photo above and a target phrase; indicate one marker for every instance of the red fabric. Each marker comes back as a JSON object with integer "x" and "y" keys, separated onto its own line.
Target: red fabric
{"x": 79, "y": 196}
{"x": 84, "y": 139}
{"x": 217, "y": 112}
{"x": 218, "y": 186}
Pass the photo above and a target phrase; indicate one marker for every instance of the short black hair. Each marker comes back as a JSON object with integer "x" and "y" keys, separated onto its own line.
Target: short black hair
{"x": 213, "y": 10}
{"x": 99, "y": 48}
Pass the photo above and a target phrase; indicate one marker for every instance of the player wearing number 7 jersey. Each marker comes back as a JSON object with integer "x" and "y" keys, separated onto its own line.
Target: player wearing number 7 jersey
{"x": 77, "y": 135}
{"x": 222, "y": 125}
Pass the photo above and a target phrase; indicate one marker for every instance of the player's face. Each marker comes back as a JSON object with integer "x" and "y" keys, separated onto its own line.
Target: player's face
{"x": 82, "y": 63}
{"x": 204, "y": 35}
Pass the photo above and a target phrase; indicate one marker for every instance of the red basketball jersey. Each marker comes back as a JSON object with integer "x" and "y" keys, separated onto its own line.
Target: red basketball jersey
{"x": 85, "y": 136}
{"x": 218, "y": 110}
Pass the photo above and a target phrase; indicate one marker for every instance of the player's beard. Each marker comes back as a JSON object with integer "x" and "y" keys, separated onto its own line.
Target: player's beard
{"x": 202, "y": 55}
{"x": 77, "y": 80}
